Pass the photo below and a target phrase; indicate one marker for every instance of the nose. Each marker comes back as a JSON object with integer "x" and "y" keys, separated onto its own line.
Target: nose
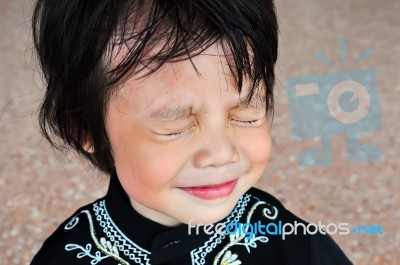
{"x": 217, "y": 149}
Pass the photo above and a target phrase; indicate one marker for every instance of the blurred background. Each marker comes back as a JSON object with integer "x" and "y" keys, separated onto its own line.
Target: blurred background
{"x": 351, "y": 176}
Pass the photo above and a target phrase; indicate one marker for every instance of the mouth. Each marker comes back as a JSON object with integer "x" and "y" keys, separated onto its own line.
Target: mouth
{"x": 211, "y": 192}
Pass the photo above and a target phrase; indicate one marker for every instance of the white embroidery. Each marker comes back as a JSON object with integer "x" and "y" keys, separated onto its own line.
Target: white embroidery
{"x": 225, "y": 256}
{"x": 230, "y": 259}
{"x": 268, "y": 212}
{"x": 241, "y": 239}
{"x": 116, "y": 241}
{"x": 103, "y": 245}
{"x": 118, "y": 238}
{"x": 71, "y": 224}
{"x": 198, "y": 255}
{"x": 86, "y": 252}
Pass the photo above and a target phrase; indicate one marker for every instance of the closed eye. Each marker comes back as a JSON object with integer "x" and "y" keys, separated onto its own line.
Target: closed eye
{"x": 250, "y": 122}
{"x": 177, "y": 133}
{"x": 256, "y": 122}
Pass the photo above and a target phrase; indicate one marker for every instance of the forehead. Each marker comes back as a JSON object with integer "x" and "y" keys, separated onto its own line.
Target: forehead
{"x": 185, "y": 80}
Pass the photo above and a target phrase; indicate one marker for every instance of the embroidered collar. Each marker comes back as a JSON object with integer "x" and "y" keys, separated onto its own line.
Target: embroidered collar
{"x": 121, "y": 233}
{"x": 140, "y": 237}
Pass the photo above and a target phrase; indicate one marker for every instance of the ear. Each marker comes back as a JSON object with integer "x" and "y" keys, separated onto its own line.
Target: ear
{"x": 88, "y": 146}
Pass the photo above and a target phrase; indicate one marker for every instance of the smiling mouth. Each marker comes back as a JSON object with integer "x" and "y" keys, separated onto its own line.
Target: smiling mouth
{"x": 211, "y": 192}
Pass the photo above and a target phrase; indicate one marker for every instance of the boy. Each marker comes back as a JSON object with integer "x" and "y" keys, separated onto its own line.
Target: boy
{"x": 172, "y": 100}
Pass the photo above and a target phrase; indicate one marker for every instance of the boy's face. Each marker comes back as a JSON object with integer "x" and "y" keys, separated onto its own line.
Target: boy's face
{"x": 186, "y": 146}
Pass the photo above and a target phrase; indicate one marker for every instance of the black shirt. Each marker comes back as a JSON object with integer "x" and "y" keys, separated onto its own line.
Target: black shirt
{"x": 110, "y": 231}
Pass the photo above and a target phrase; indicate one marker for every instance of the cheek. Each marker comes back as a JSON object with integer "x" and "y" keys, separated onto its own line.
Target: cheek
{"x": 150, "y": 174}
{"x": 146, "y": 167}
{"x": 257, "y": 146}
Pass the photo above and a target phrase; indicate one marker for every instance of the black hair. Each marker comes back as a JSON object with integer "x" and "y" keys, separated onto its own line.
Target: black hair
{"x": 78, "y": 43}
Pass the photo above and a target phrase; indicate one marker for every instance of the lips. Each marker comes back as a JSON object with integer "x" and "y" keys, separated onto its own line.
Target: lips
{"x": 211, "y": 192}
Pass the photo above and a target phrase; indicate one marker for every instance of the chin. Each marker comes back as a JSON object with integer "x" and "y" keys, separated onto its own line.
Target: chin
{"x": 214, "y": 214}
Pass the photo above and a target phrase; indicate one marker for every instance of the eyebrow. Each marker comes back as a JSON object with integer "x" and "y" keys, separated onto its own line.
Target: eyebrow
{"x": 255, "y": 102}
{"x": 173, "y": 114}
{"x": 181, "y": 112}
